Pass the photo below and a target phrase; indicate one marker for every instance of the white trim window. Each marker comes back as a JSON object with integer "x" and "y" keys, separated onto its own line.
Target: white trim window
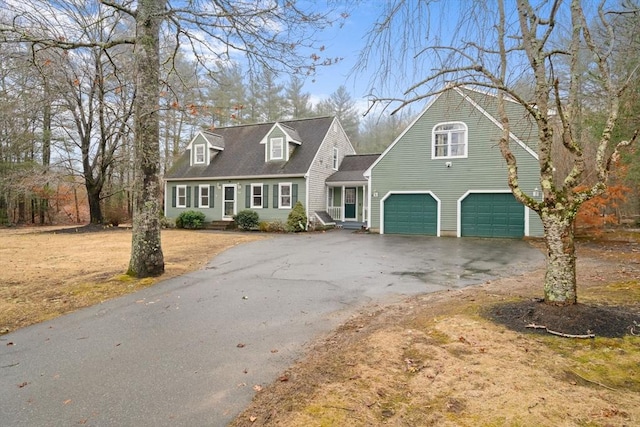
{"x": 335, "y": 158}
{"x": 256, "y": 196}
{"x": 284, "y": 196}
{"x": 277, "y": 148}
{"x": 203, "y": 194}
{"x": 199, "y": 157}
{"x": 449, "y": 140}
{"x": 181, "y": 196}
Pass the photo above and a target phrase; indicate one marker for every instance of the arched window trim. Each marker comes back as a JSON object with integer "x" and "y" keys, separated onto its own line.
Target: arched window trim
{"x": 449, "y": 146}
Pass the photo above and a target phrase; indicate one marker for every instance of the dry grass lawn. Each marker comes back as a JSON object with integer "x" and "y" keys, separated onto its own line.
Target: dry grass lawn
{"x": 46, "y": 273}
{"x": 436, "y": 360}
{"x": 432, "y": 360}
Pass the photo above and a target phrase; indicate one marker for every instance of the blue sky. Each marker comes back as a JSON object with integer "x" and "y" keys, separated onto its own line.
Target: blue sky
{"x": 347, "y": 43}
{"x": 349, "y": 40}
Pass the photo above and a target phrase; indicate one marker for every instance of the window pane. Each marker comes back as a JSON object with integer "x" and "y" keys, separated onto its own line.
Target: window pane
{"x": 204, "y": 196}
{"x": 285, "y": 196}
{"x": 199, "y": 153}
{"x": 276, "y": 148}
{"x": 457, "y": 149}
{"x": 441, "y": 145}
{"x": 449, "y": 140}
{"x": 350, "y": 196}
{"x": 182, "y": 196}
{"x": 256, "y": 192}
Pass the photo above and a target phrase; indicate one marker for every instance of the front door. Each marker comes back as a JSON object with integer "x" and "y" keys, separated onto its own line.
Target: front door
{"x": 229, "y": 202}
{"x": 350, "y": 199}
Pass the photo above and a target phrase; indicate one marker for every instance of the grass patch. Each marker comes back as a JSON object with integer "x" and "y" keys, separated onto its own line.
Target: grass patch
{"x": 48, "y": 274}
{"x": 617, "y": 293}
{"x": 601, "y": 362}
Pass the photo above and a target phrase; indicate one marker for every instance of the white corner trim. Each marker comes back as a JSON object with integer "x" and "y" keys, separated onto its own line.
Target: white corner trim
{"x": 497, "y": 123}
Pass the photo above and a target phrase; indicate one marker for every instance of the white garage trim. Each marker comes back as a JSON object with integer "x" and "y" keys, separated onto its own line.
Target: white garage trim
{"x": 391, "y": 193}
{"x": 464, "y": 196}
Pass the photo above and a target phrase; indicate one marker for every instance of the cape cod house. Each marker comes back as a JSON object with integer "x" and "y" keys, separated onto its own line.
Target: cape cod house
{"x": 268, "y": 167}
{"x": 445, "y": 175}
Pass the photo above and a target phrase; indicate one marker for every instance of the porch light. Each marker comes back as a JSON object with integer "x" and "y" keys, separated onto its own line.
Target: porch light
{"x": 219, "y": 186}
{"x": 536, "y": 193}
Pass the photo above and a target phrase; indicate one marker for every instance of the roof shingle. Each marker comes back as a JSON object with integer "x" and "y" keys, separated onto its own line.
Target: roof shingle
{"x": 243, "y": 155}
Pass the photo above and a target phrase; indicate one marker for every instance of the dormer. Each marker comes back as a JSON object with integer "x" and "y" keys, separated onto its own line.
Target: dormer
{"x": 204, "y": 147}
{"x": 280, "y": 142}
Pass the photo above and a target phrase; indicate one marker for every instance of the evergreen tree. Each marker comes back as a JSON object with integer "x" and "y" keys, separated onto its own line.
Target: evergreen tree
{"x": 299, "y": 105}
{"x": 341, "y": 105}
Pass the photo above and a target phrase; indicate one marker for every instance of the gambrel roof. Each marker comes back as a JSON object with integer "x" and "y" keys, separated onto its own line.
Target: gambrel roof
{"x": 240, "y": 152}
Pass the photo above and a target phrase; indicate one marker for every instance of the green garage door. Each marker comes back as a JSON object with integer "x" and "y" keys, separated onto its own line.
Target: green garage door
{"x": 411, "y": 214}
{"x": 492, "y": 215}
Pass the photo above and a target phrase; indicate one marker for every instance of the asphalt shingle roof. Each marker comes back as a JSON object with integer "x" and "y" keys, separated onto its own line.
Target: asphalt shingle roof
{"x": 353, "y": 167}
{"x": 243, "y": 155}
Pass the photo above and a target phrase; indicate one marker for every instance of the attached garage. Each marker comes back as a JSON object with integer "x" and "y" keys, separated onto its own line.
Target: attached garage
{"x": 415, "y": 213}
{"x": 491, "y": 215}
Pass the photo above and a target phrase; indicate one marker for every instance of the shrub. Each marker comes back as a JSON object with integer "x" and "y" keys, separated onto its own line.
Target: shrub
{"x": 114, "y": 215}
{"x": 596, "y": 213}
{"x": 247, "y": 219}
{"x": 297, "y": 220}
{"x": 166, "y": 222}
{"x": 190, "y": 219}
{"x": 275, "y": 226}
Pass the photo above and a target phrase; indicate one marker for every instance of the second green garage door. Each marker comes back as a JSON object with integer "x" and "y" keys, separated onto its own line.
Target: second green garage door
{"x": 492, "y": 215}
{"x": 411, "y": 214}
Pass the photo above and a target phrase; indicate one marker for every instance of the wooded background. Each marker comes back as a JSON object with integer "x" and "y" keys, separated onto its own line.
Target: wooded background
{"x": 66, "y": 124}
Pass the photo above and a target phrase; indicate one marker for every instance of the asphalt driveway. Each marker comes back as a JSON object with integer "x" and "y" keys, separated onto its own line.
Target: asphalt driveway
{"x": 189, "y": 351}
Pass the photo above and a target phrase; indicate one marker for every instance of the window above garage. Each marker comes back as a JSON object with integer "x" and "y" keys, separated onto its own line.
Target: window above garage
{"x": 449, "y": 141}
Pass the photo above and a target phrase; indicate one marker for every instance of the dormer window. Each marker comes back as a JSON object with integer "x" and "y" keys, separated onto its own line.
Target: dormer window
{"x": 199, "y": 157}
{"x": 277, "y": 148}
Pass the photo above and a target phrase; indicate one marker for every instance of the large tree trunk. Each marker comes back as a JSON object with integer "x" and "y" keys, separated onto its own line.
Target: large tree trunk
{"x": 95, "y": 210}
{"x": 560, "y": 278}
{"x": 146, "y": 250}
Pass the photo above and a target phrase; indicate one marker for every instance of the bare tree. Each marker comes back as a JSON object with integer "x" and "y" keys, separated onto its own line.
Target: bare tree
{"x": 268, "y": 34}
{"x": 494, "y": 46}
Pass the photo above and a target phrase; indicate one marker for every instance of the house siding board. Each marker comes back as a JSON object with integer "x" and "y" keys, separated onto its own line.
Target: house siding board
{"x": 322, "y": 167}
{"x": 215, "y": 213}
{"x": 408, "y": 166}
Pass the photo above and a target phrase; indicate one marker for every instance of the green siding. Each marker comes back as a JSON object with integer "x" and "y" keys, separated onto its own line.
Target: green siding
{"x": 411, "y": 214}
{"x": 491, "y": 215}
{"x": 407, "y": 165}
{"x": 214, "y": 213}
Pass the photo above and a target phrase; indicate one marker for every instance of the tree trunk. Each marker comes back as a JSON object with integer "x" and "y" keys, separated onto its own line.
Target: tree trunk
{"x": 95, "y": 210}
{"x": 146, "y": 250}
{"x": 560, "y": 278}
{"x": 22, "y": 209}
{"x": 77, "y": 204}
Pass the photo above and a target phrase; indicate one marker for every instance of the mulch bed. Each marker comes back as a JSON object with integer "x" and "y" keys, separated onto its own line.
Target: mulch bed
{"x": 577, "y": 319}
